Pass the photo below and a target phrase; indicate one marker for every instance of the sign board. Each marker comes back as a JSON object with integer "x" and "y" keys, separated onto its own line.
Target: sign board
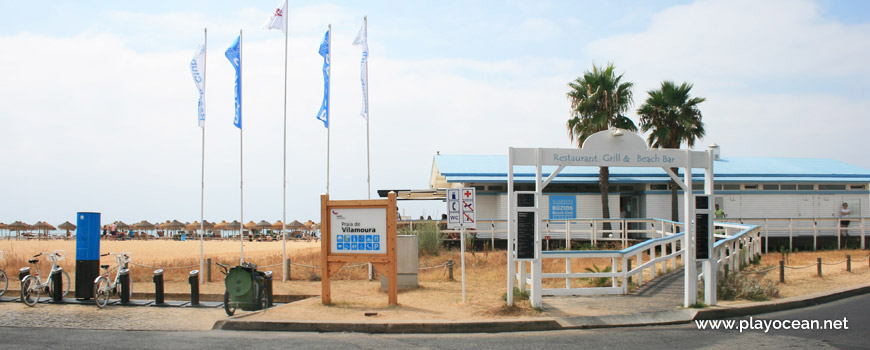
{"x": 461, "y": 208}
{"x": 454, "y": 210}
{"x": 525, "y": 235}
{"x": 525, "y": 200}
{"x": 358, "y": 230}
{"x": 703, "y": 228}
{"x": 468, "y": 218}
{"x": 563, "y": 207}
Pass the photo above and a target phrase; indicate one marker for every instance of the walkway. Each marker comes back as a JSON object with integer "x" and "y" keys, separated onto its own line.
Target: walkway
{"x": 664, "y": 293}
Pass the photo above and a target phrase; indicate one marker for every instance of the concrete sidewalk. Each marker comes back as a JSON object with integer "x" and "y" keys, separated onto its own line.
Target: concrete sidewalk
{"x": 657, "y": 303}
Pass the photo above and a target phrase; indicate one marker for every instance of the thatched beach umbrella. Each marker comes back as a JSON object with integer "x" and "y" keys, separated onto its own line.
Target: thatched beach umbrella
{"x": 67, "y": 226}
{"x": 3, "y": 227}
{"x": 278, "y": 225}
{"x": 121, "y": 225}
{"x": 43, "y": 227}
{"x": 17, "y": 226}
{"x": 295, "y": 225}
{"x": 234, "y": 226}
{"x": 193, "y": 226}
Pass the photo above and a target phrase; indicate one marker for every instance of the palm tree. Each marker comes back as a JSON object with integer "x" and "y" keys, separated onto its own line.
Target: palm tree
{"x": 599, "y": 100}
{"x": 672, "y": 117}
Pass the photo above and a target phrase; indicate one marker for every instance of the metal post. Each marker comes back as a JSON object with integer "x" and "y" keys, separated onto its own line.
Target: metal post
{"x": 208, "y": 269}
{"x": 57, "y": 284}
{"x": 268, "y": 283}
{"x": 287, "y": 269}
{"x": 194, "y": 287}
{"x": 158, "y": 286}
{"x": 450, "y": 270}
{"x": 125, "y": 286}
{"x": 820, "y": 267}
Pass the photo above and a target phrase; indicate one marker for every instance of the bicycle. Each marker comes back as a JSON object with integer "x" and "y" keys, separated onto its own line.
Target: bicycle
{"x": 103, "y": 288}
{"x": 4, "y": 282}
{"x": 32, "y": 287}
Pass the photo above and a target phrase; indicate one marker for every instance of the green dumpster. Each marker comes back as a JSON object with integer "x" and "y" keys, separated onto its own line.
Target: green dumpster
{"x": 245, "y": 289}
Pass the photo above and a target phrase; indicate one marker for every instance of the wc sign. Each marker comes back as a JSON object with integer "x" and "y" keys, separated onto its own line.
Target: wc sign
{"x": 461, "y": 208}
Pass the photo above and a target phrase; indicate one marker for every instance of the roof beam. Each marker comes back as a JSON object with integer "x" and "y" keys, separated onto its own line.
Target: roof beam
{"x": 552, "y": 176}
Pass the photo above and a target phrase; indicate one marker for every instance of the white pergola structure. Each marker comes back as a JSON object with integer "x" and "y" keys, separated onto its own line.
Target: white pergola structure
{"x": 610, "y": 148}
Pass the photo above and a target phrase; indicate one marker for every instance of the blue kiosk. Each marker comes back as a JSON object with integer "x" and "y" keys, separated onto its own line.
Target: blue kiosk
{"x": 87, "y": 253}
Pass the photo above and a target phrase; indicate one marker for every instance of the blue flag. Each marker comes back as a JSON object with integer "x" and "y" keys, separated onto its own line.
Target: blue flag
{"x": 323, "y": 114}
{"x": 234, "y": 55}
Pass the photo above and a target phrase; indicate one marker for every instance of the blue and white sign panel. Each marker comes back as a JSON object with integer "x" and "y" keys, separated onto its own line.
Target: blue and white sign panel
{"x": 563, "y": 207}
{"x": 454, "y": 208}
{"x": 358, "y": 230}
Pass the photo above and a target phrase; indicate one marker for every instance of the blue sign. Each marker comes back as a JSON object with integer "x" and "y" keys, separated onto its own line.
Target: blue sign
{"x": 563, "y": 207}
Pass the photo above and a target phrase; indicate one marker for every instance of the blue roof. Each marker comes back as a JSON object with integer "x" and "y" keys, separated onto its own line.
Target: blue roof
{"x": 493, "y": 168}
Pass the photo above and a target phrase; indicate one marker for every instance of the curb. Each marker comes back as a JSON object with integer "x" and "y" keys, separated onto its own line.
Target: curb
{"x": 392, "y": 327}
{"x": 679, "y": 316}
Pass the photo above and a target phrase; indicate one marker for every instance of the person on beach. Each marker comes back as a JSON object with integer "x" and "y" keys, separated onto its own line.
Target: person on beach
{"x": 719, "y": 213}
{"x": 844, "y": 213}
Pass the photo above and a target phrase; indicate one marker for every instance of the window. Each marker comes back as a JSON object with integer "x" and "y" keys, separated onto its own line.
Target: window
{"x": 479, "y": 187}
{"x": 769, "y": 187}
{"x": 856, "y": 187}
{"x": 750, "y": 187}
{"x": 731, "y": 187}
{"x": 788, "y": 187}
{"x": 698, "y": 187}
{"x": 806, "y": 187}
{"x": 832, "y": 187}
{"x": 717, "y": 187}
{"x": 658, "y": 187}
{"x": 498, "y": 188}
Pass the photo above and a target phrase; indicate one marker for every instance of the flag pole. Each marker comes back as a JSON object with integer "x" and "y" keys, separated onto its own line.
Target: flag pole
{"x": 328, "y": 101}
{"x": 368, "y": 150}
{"x": 241, "y": 163}
{"x": 202, "y": 194}
{"x": 284, "y": 215}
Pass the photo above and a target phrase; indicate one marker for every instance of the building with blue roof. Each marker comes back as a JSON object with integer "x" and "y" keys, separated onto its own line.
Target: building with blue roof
{"x": 745, "y": 187}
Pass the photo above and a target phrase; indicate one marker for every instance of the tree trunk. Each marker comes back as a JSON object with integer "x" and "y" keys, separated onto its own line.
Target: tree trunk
{"x": 675, "y": 203}
{"x": 604, "y": 186}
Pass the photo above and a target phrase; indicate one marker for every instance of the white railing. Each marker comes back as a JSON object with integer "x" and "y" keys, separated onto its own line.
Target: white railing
{"x": 797, "y": 227}
{"x": 641, "y": 262}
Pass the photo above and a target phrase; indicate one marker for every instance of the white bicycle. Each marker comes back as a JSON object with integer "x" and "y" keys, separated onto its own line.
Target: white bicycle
{"x": 32, "y": 287}
{"x": 103, "y": 288}
{"x": 4, "y": 282}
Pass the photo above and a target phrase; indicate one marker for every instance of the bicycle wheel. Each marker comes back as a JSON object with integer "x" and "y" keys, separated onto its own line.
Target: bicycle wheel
{"x": 101, "y": 291}
{"x": 4, "y": 282}
{"x": 66, "y": 283}
{"x": 29, "y": 291}
{"x": 229, "y": 309}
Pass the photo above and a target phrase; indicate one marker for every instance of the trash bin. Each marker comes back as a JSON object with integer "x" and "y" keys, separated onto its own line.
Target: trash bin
{"x": 246, "y": 287}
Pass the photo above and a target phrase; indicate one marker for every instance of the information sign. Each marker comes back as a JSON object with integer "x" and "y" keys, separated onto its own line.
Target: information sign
{"x": 563, "y": 207}
{"x": 358, "y": 230}
{"x": 525, "y": 235}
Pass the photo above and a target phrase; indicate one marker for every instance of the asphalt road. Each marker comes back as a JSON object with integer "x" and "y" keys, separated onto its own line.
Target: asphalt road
{"x": 687, "y": 336}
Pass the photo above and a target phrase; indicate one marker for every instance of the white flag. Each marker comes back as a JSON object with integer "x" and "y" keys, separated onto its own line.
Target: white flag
{"x": 361, "y": 41}
{"x": 278, "y": 18}
{"x": 197, "y": 69}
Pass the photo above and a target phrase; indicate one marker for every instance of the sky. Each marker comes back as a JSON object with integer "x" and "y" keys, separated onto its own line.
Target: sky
{"x": 98, "y": 106}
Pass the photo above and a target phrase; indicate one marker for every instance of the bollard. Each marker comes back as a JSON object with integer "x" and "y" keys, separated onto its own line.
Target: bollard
{"x": 820, "y": 267}
{"x": 158, "y": 286}
{"x": 849, "y": 263}
{"x": 125, "y": 286}
{"x": 268, "y": 283}
{"x": 193, "y": 279}
{"x": 371, "y": 272}
{"x": 450, "y": 270}
{"x": 56, "y": 284}
{"x": 208, "y": 270}
{"x": 287, "y": 267}
{"x": 781, "y": 271}
{"x": 23, "y": 272}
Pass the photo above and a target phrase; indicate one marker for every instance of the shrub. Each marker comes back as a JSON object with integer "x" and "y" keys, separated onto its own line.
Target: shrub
{"x": 429, "y": 239}
{"x": 599, "y": 281}
{"x": 740, "y": 286}
{"x": 518, "y": 295}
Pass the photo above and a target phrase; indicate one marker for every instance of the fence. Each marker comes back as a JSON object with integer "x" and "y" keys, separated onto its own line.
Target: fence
{"x": 792, "y": 227}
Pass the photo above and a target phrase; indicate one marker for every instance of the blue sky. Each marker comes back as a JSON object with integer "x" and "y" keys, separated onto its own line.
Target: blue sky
{"x": 99, "y": 106}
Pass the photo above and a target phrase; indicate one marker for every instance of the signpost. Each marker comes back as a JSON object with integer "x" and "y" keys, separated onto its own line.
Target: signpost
{"x": 461, "y": 215}
{"x": 359, "y": 231}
